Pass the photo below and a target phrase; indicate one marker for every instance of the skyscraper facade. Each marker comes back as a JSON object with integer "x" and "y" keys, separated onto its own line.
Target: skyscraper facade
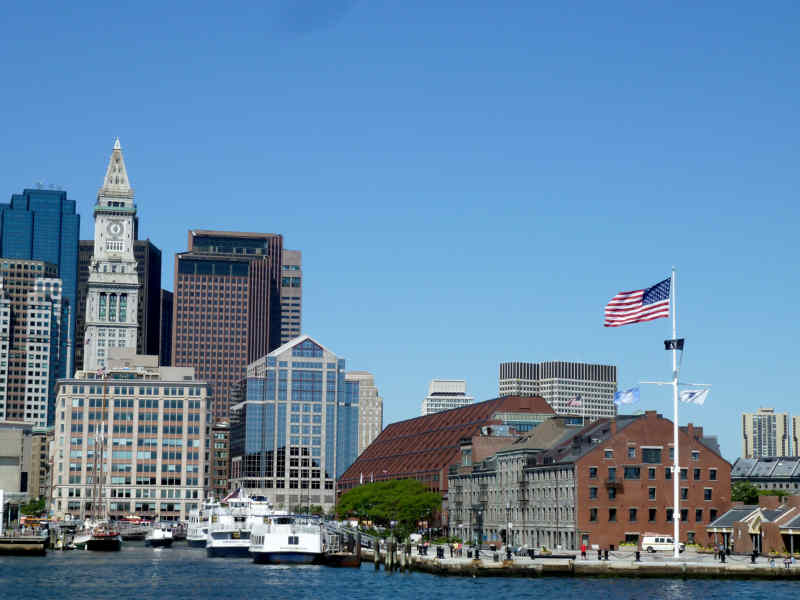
{"x": 766, "y": 434}
{"x": 148, "y": 317}
{"x": 291, "y": 295}
{"x": 165, "y": 352}
{"x": 570, "y": 388}
{"x": 370, "y": 408}
{"x": 445, "y": 394}
{"x": 33, "y": 351}
{"x": 295, "y": 428}
{"x": 226, "y": 306}
{"x": 112, "y": 302}
{"x": 43, "y": 225}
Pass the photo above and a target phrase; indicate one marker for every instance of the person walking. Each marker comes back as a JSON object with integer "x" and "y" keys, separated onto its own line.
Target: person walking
{"x": 583, "y": 550}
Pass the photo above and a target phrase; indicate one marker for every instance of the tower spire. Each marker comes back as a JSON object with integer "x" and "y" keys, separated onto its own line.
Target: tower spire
{"x": 116, "y": 182}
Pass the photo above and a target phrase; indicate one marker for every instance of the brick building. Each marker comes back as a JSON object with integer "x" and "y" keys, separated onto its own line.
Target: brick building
{"x": 773, "y": 525}
{"x": 424, "y": 448}
{"x": 602, "y": 484}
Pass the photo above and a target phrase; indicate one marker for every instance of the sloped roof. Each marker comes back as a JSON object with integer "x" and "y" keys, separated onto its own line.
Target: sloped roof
{"x": 772, "y": 466}
{"x": 544, "y": 436}
{"x": 734, "y": 515}
{"x": 429, "y": 444}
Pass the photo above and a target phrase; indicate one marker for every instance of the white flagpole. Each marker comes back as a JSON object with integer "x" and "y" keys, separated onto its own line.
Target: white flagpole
{"x": 676, "y": 471}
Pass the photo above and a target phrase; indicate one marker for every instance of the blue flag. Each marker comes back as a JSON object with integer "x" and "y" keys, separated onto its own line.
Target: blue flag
{"x": 630, "y": 396}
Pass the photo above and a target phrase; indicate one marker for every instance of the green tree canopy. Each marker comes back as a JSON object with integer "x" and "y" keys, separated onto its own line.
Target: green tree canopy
{"x": 744, "y": 491}
{"x": 406, "y": 501}
{"x": 34, "y": 507}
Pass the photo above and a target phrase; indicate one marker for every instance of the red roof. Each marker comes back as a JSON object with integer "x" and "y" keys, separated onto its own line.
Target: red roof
{"x": 424, "y": 447}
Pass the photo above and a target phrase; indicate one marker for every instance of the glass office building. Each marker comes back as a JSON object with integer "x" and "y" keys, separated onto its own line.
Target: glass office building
{"x": 43, "y": 225}
{"x": 294, "y": 425}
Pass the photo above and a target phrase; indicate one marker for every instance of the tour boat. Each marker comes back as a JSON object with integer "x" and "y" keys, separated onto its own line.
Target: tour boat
{"x": 198, "y": 524}
{"x": 285, "y": 538}
{"x": 229, "y": 527}
{"x": 104, "y": 538}
{"x": 159, "y": 537}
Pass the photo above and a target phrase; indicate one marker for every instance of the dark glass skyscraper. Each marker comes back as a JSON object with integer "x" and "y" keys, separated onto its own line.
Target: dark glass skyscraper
{"x": 43, "y": 225}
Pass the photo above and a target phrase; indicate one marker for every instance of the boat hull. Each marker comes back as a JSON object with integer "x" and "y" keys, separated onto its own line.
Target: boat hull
{"x": 104, "y": 544}
{"x": 228, "y": 551}
{"x": 287, "y": 558}
{"x": 163, "y": 543}
{"x": 197, "y": 543}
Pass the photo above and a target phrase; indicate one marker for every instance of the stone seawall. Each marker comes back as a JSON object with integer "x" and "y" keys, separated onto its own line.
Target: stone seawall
{"x": 585, "y": 568}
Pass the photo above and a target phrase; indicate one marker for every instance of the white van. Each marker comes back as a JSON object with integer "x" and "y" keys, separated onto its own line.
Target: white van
{"x": 658, "y": 543}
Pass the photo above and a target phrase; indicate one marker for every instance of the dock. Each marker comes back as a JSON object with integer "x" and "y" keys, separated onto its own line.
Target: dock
{"x": 492, "y": 564}
{"x": 26, "y": 545}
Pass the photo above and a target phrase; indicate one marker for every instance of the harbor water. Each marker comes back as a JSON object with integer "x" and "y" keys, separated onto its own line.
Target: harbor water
{"x": 139, "y": 572}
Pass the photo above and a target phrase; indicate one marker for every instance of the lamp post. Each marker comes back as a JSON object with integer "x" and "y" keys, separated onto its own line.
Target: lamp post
{"x": 508, "y": 524}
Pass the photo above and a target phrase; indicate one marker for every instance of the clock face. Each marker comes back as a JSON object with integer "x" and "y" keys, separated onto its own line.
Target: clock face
{"x": 115, "y": 228}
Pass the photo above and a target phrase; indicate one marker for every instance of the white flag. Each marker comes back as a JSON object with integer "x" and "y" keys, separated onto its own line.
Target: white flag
{"x": 696, "y": 396}
{"x": 630, "y": 396}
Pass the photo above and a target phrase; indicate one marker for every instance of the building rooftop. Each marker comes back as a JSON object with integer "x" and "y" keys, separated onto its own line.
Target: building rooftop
{"x": 425, "y": 446}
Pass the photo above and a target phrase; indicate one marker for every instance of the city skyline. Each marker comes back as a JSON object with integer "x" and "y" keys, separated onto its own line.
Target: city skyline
{"x": 478, "y": 196}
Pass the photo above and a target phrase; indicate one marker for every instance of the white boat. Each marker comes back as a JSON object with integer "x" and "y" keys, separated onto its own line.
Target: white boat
{"x": 285, "y": 538}
{"x": 159, "y": 537}
{"x": 198, "y": 524}
{"x": 229, "y": 527}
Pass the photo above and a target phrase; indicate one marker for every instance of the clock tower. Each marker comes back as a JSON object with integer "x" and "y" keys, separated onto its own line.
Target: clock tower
{"x": 113, "y": 289}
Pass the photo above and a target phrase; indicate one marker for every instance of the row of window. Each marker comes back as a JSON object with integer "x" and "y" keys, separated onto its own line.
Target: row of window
{"x": 652, "y": 515}
{"x": 651, "y": 493}
{"x": 634, "y": 472}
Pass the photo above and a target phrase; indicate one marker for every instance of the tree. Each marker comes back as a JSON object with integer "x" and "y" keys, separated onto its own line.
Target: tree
{"x": 34, "y": 507}
{"x": 405, "y": 501}
{"x": 744, "y": 491}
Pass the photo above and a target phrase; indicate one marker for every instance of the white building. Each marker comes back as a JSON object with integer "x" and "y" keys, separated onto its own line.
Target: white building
{"x": 766, "y": 434}
{"x": 445, "y": 394}
{"x": 33, "y": 321}
{"x": 155, "y": 421}
{"x": 113, "y": 290}
{"x": 370, "y": 408}
{"x": 570, "y": 388}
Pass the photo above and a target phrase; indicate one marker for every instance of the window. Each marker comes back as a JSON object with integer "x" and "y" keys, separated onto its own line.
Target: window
{"x": 684, "y": 474}
{"x": 696, "y": 474}
{"x": 608, "y": 454}
{"x": 632, "y": 472}
{"x": 698, "y": 515}
{"x": 685, "y": 515}
{"x": 612, "y": 515}
{"x": 669, "y": 515}
{"x": 612, "y": 493}
{"x": 631, "y": 452}
{"x": 684, "y": 493}
{"x": 712, "y": 474}
{"x": 695, "y": 455}
{"x": 651, "y": 515}
{"x": 706, "y": 493}
{"x": 612, "y": 473}
{"x": 651, "y": 493}
{"x": 672, "y": 454}
{"x": 592, "y": 492}
{"x": 593, "y": 514}
{"x": 632, "y": 515}
{"x": 651, "y": 456}
{"x": 651, "y": 473}
{"x": 668, "y": 473}
{"x": 712, "y": 514}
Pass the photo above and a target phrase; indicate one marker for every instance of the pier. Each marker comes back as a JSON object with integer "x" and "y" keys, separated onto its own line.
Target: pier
{"x": 15, "y": 542}
{"x": 495, "y": 564}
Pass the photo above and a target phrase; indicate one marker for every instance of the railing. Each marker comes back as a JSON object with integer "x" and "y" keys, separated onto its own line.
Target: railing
{"x": 613, "y": 483}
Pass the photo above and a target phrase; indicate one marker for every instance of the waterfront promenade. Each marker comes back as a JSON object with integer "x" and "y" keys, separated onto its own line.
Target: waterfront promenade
{"x": 619, "y": 564}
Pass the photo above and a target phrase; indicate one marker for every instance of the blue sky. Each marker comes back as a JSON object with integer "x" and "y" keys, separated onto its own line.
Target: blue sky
{"x": 469, "y": 182}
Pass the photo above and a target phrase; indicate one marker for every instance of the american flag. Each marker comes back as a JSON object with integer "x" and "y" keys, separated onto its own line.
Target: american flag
{"x": 641, "y": 305}
{"x": 576, "y": 401}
